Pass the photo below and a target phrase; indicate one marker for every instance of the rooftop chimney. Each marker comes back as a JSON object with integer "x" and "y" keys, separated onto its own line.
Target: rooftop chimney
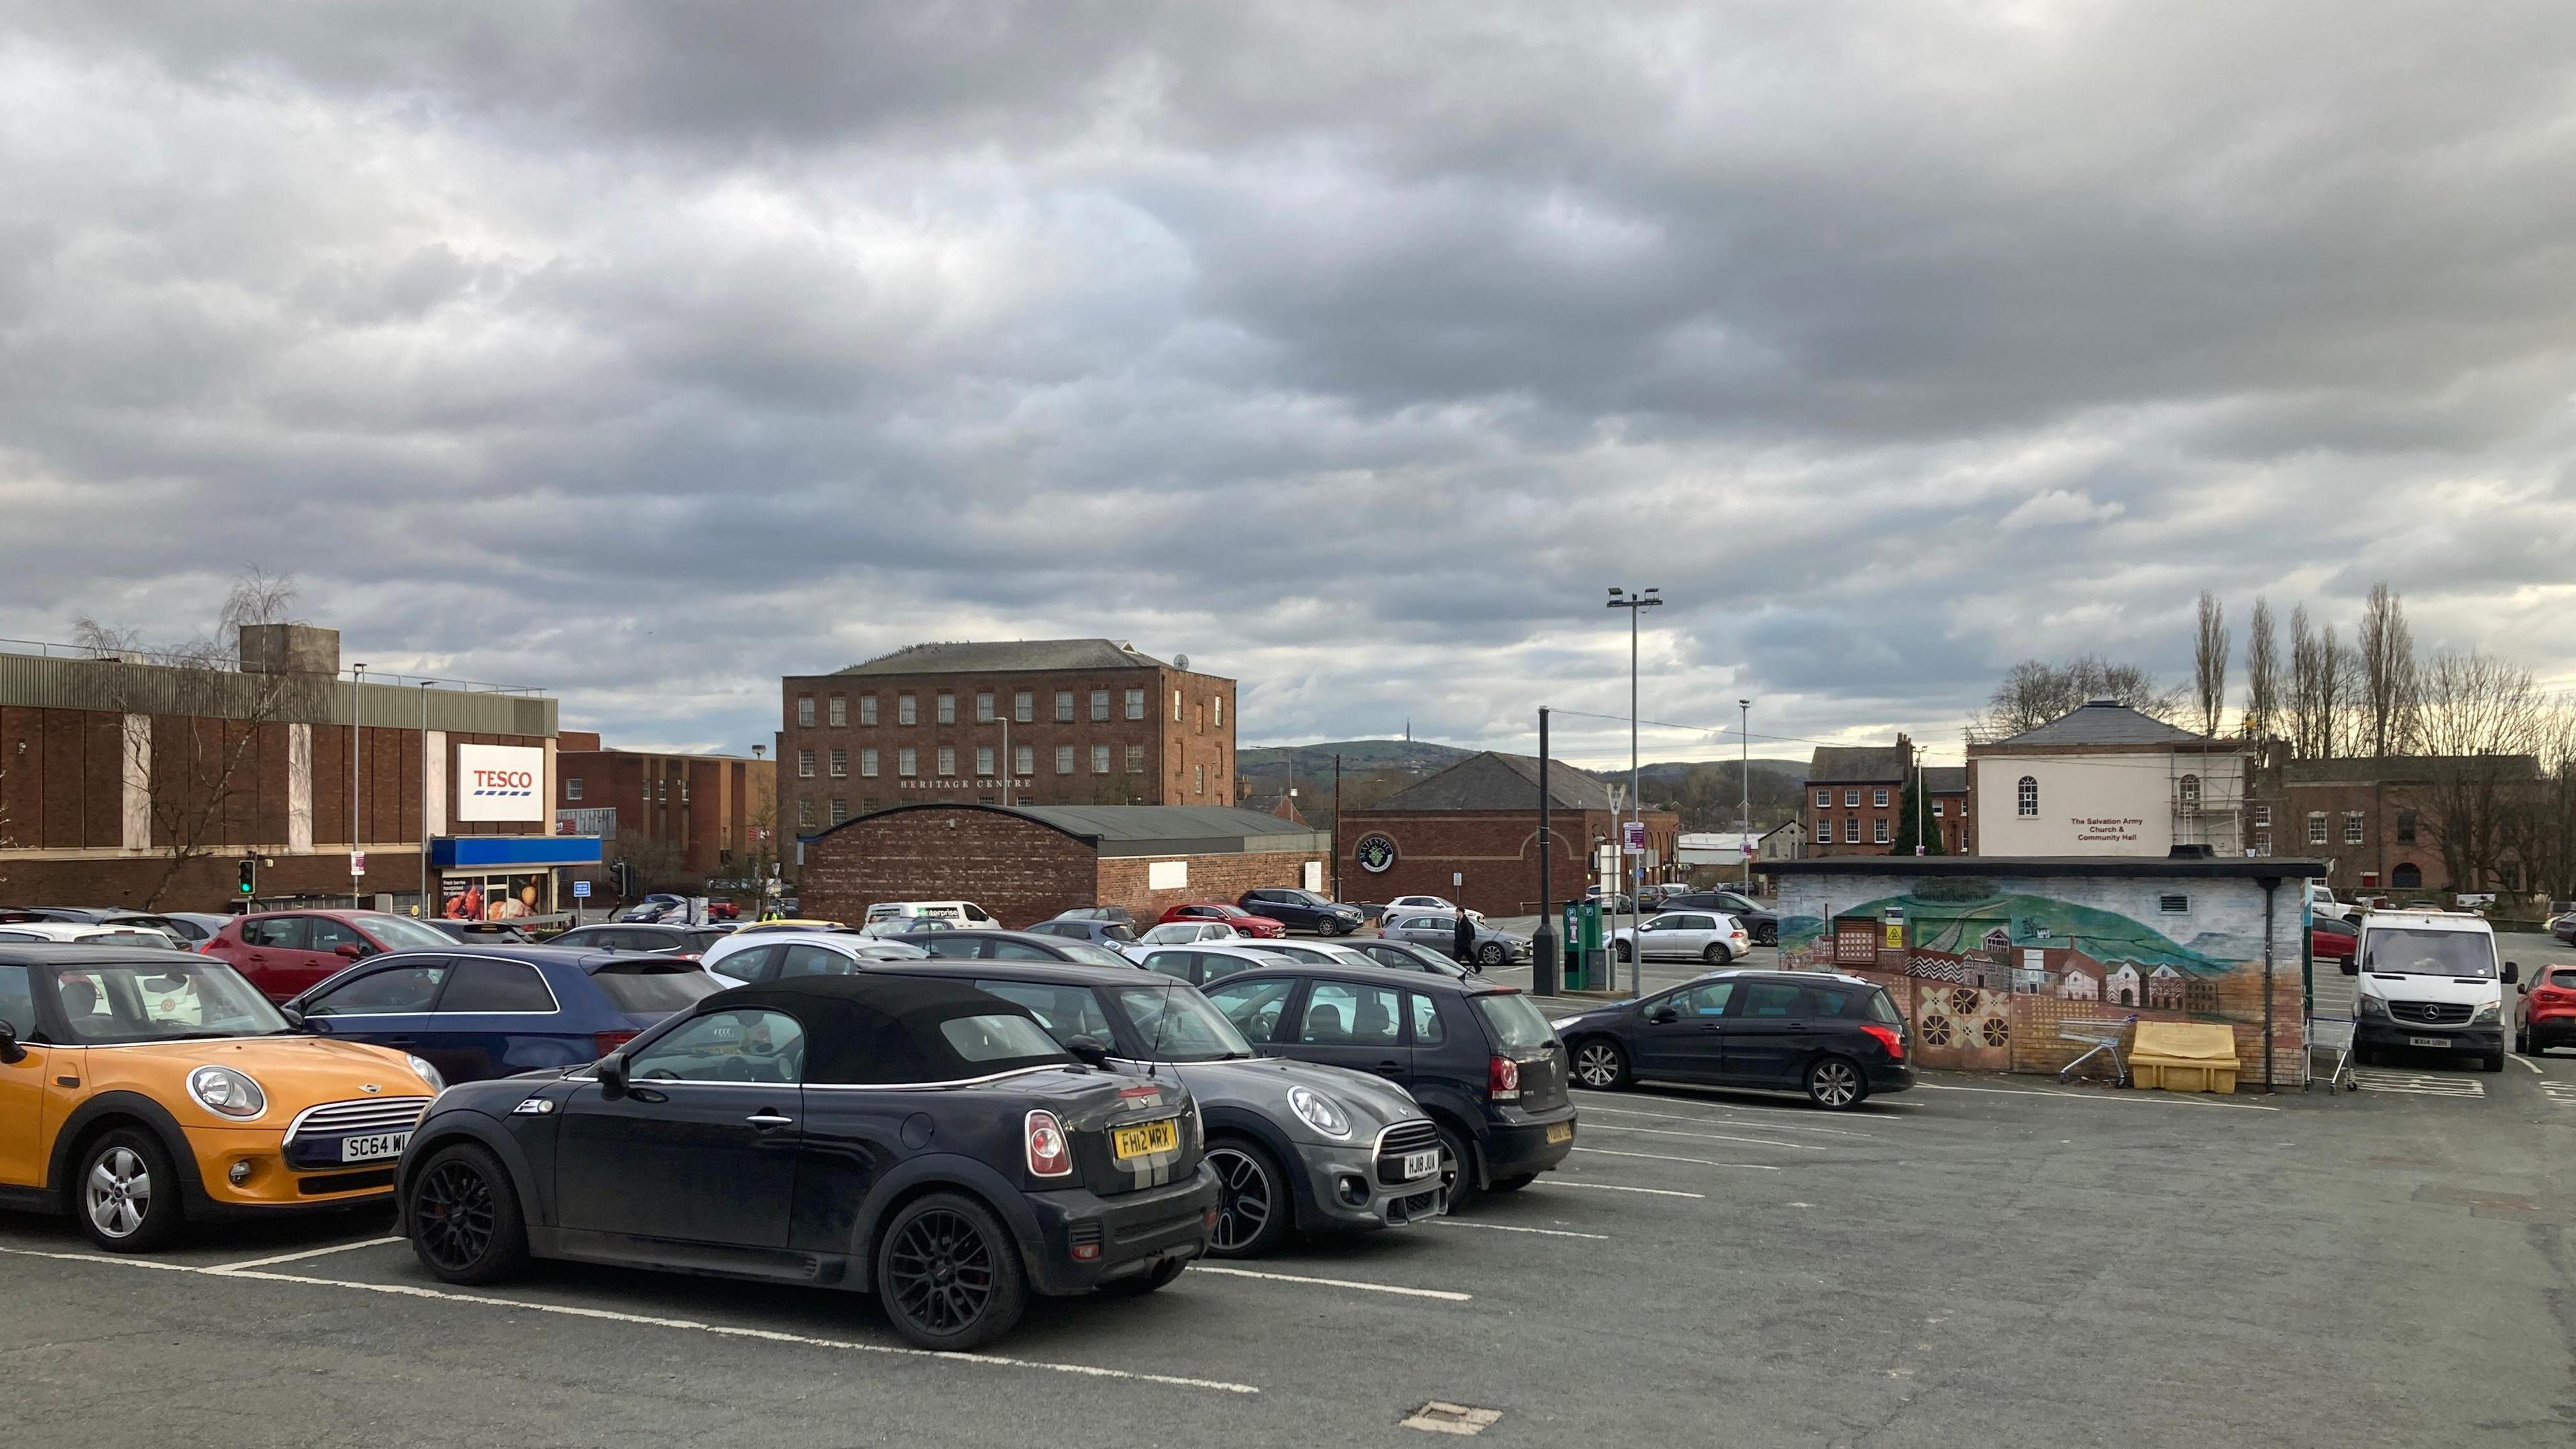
{"x": 289, "y": 649}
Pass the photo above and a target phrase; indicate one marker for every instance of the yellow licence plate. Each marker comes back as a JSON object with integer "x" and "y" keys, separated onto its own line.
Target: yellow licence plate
{"x": 1560, "y": 1132}
{"x": 1146, "y": 1138}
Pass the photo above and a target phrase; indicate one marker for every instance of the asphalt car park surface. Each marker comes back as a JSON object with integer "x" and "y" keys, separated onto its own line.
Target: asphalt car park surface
{"x": 1987, "y": 1261}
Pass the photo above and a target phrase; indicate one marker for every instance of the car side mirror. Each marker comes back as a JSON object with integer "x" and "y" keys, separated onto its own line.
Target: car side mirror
{"x": 612, "y": 1076}
{"x": 350, "y": 952}
{"x": 1663, "y": 1014}
{"x": 2512, "y": 973}
{"x": 2350, "y": 965}
{"x": 1089, "y": 1050}
{"x": 294, "y": 1018}
{"x": 10, "y": 1051}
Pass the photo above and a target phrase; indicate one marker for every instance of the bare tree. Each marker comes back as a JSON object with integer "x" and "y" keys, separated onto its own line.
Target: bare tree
{"x": 2540, "y": 820}
{"x": 2318, "y": 669}
{"x": 2386, "y": 648}
{"x": 2034, "y": 692}
{"x": 2209, "y": 651}
{"x": 2480, "y": 720}
{"x": 2262, "y": 673}
{"x": 2334, "y": 694}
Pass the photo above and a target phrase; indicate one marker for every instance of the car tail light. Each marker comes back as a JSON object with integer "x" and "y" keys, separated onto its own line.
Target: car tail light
{"x": 1888, "y": 1037}
{"x": 1049, "y": 1154}
{"x": 604, "y": 1042}
{"x": 1503, "y": 1079}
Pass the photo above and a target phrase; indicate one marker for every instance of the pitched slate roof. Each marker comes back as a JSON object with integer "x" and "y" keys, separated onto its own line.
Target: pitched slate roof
{"x": 2105, "y": 722}
{"x": 1946, "y": 779}
{"x": 1836, "y": 764}
{"x": 969, "y": 657}
{"x": 1495, "y": 781}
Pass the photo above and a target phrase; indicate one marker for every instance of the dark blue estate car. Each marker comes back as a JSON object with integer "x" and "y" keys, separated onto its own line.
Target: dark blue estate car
{"x": 494, "y": 1011}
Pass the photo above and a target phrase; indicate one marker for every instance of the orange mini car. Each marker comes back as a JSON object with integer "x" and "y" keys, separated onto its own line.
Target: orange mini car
{"x": 142, "y": 1090}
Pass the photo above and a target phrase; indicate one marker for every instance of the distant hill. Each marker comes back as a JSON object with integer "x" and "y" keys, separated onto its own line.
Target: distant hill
{"x": 1268, "y": 768}
{"x": 1705, "y": 791}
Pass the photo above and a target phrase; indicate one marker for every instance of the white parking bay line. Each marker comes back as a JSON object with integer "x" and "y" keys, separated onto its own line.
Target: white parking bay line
{"x": 1659, "y": 1157}
{"x": 565, "y": 1310}
{"x": 1728, "y": 1121}
{"x": 1508, "y": 1228}
{"x": 2137, "y": 1099}
{"x": 1554, "y": 1181}
{"x": 2528, "y": 1062}
{"x": 1704, "y": 1136}
{"x": 2418, "y": 1084}
{"x": 1442, "y": 1294}
{"x": 228, "y": 1268}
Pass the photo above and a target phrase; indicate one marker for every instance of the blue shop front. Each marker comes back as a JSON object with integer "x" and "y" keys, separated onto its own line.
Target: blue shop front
{"x": 508, "y": 877}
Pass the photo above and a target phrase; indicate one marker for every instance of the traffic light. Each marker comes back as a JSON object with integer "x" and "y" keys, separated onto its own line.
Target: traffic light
{"x": 249, "y": 876}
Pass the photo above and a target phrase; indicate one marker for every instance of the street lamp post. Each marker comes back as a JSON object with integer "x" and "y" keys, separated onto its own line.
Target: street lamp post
{"x": 1744, "y": 782}
{"x": 424, "y": 797}
{"x": 357, "y": 746}
{"x": 1632, "y": 602}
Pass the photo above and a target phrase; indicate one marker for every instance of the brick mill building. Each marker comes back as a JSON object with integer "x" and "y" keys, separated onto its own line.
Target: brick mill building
{"x": 679, "y": 819}
{"x": 145, "y": 780}
{"x": 1028, "y": 722}
{"x": 1478, "y": 819}
{"x": 1026, "y": 863}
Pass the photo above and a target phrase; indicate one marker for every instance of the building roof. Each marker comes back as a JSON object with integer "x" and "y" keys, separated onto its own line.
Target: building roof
{"x": 1121, "y": 830}
{"x": 1490, "y": 780}
{"x": 2407, "y": 769}
{"x": 1838, "y": 764}
{"x": 2105, "y": 722}
{"x": 1009, "y": 655}
{"x": 1945, "y": 779}
{"x": 2231, "y": 867}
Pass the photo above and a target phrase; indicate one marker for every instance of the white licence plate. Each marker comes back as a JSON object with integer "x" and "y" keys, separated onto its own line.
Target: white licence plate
{"x": 373, "y": 1147}
{"x": 2436, "y": 1042}
{"x": 1420, "y": 1164}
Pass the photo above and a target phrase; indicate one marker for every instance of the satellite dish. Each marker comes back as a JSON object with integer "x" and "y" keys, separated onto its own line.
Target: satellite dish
{"x": 1180, "y": 661}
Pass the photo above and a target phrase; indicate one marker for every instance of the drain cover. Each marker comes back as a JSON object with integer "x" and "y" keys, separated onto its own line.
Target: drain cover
{"x": 1442, "y": 1418}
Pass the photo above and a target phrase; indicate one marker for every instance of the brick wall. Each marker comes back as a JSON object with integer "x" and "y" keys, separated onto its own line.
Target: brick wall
{"x": 1020, "y": 871}
{"x": 1496, "y": 850}
{"x": 1121, "y": 880}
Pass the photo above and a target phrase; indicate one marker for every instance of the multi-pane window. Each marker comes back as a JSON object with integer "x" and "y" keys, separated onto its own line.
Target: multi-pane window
{"x": 2352, "y": 827}
{"x": 840, "y": 809}
{"x": 837, "y": 710}
{"x": 867, "y": 709}
{"x": 2262, "y": 842}
{"x": 840, "y": 763}
{"x": 1024, "y": 707}
{"x": 947, "y": 760}
{"x": 983, "y": 706}
{"x": 804, "y": 813}
{"x": 1100, "y": 759}
{"x": 1851, "y": 830}
{"x": 1064, "y": 706}
{"x": 983, "y": 762}
{"x": 1936, "y": 809}
{"x": 572, "y": 789}
{"x": 1024, "y": 759}
{"x": 1851, "y": 799}
{"x": 2316, "y": 827}
{"x": 1099, "y": 705}
{"x": 1135, "y": 704}
{"x": 805, "y": 764}
{"x": 868, "y": 762}
{"x": 1064, "y": 759}
{"x": 907, "y": 762}
{"x": 1135, "y": 759}
{"x": 1824, "y": 799}
{"x": 1878, "y": 798}
{"x": 1878, "y": 830}
{"x": 2406, "y": 827}
{"x": 661, "y": 792}
{"x": 2026, "y": 796}
{"x": 947, "y": 708}
{"x": 2188, "y": 789}
{"x": 2262, "y": 814}
{"x": 805, "y": 711}
{"x": 907, "y": 710}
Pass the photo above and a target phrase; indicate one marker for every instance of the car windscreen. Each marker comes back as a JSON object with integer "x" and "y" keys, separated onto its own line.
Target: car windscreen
{"x": 186, "y": 996}
{"x": 1512, "y": 1021}
{"x": 401, "y": 931}
{"x": 2398, "y": 951}
{"x": 1091, "y": 955}
{"x": 653, "y": 988}
{"x": 1178, "y": 1025}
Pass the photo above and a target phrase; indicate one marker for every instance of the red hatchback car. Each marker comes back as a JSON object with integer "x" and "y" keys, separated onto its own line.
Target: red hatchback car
{"x": 286, "y": 953}
{"x": 2548, "y": 1010}
{"x": 2330, "y": 939}
{"x": 1244, "y": 922}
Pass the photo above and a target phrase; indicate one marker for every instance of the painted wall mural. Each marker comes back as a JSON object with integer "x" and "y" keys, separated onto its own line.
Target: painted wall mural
{"x": 1989, "y": 968}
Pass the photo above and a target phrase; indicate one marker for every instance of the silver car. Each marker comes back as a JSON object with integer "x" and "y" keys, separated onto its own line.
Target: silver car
{"x": 1297, "y": 1146}
{"x": 1440, "y": 933}
{"x": 1708, "y": 936}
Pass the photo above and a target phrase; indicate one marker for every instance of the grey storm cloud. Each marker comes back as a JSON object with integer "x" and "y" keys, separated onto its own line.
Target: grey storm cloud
{"x": 647, "y": 351}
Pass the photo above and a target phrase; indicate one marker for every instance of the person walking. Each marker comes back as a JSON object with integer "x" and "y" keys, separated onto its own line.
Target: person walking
{"x": 1463, "y": 944}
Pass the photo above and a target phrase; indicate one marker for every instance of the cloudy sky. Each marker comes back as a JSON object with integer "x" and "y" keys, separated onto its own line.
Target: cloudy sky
{"x": 646, "y": 351}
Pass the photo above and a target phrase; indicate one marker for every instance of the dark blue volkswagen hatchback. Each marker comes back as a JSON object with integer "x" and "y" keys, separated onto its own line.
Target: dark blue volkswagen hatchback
{"x": 491, "y": 1011}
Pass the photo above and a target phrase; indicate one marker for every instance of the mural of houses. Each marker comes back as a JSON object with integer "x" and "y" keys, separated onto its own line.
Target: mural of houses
{"x": 2080, "y": 978}
{"x": 2120, "y": 988}
{"x": 2164, "y": 989}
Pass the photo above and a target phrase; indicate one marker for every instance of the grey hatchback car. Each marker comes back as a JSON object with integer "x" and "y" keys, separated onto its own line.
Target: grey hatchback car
{"x": 1439, "y": 931}
{"x": 1297, "y": 1146}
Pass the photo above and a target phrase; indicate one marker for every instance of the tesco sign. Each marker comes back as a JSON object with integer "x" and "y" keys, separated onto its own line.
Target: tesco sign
{"x": 500, "y": 782}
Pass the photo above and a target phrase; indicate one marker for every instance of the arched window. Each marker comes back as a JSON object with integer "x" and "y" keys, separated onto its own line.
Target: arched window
{"x": 2029, "y": 795}
{"x": 2188, "y": 790}
{"x": 2407, "y": 877}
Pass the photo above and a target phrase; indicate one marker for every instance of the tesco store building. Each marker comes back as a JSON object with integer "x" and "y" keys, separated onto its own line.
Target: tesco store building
{"x": 490, "y": 876}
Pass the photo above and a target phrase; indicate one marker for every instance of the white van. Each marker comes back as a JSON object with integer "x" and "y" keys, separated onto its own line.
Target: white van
{"x": 2429, "y": 981}
{"x": 956, "y": 913}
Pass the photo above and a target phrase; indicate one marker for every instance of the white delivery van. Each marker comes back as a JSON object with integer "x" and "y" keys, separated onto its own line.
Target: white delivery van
{"x": 2429, "y": 981}
{"x": 955, "y": 913}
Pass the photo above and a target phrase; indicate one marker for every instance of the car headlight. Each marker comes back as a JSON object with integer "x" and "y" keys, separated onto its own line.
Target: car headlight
{"x": 226, "y": 1092}
{"x": 1319, "y": 1112}
{"x": 2373, "y": 1006}
{"x": 2487, "y": 1015}
{"x": 428, "y": 1074}
{"x": 1562, "y": 1022}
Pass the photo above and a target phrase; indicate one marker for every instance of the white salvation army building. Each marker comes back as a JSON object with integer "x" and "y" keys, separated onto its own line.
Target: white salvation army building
{"x": 2105, "y": 779}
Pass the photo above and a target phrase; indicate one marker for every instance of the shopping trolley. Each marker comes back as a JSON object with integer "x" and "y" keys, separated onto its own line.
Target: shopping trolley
{"x": 2335, "y": 1037}
{"x": 2103, "y": 1037}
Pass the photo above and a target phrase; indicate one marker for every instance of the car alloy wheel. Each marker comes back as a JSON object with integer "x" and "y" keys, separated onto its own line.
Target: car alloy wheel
{"x": 1599, "y": 1065}
{"x": 1249, "y": 1203}
{"x": 119, "y": 1192}
{"x": 464, "y": 1217}
{"x": 1835, "y": 1083}
{"x": 129, "y": 1192}
{"x": 1766, "y": 935}
{"x": 1715, "y": 955}
{"x": 1492, "y": 954}
{"x": 1626, "y": 951}
{"x": 949, "y": 1275}
{"x": 1457, "y": 1169}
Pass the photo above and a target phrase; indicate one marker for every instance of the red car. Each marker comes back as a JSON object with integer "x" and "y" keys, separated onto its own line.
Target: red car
{"x": 286, "y": 953}
{"x": 1244, "y": 922}
{"x": 2548, "y": 1011}
{"x": 2330, "y": 939}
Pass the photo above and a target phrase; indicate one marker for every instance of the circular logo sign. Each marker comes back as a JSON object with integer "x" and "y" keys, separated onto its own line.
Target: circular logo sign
{"x": 1375, "y": 852}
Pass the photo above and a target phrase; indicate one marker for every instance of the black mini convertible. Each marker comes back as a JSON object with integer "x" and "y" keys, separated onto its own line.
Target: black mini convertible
{"x": 917, "y": 1138}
